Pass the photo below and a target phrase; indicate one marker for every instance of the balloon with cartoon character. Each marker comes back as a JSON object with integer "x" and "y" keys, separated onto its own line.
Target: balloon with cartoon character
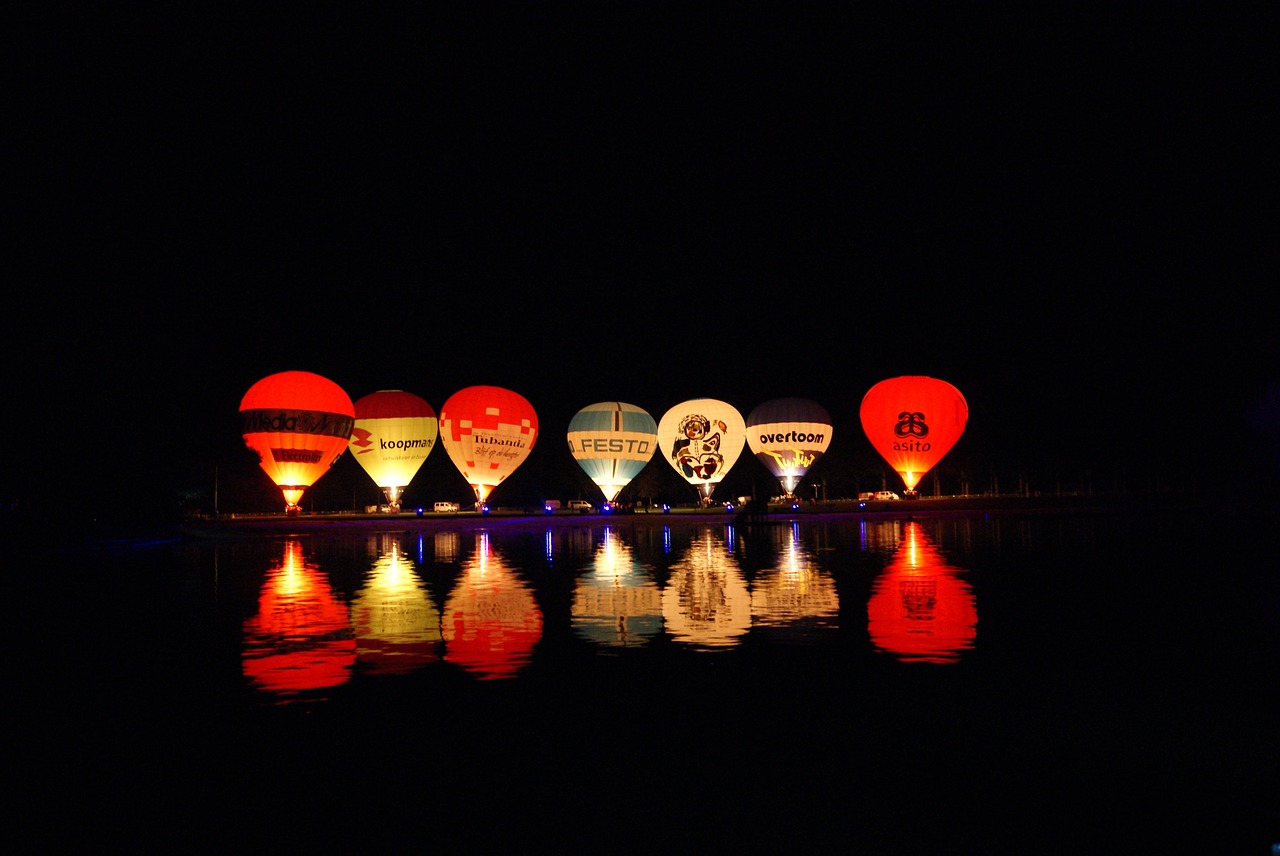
{"x": 702, "y": 439}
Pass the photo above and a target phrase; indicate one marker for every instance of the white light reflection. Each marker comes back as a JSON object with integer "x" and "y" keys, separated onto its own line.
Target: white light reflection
{"x": 795, "y": 597}
{"x": 616, "y": 603}
{"x": 706, "y": 602}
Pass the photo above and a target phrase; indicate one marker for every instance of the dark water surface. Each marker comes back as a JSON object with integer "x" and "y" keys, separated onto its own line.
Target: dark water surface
{"x": 1073, "y": 683}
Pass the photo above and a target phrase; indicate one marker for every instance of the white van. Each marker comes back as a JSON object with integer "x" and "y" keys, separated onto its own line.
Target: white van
{"x": 579, "y": 505}
{"x": 886, "y": 494}
{"x": 446, "y": 506}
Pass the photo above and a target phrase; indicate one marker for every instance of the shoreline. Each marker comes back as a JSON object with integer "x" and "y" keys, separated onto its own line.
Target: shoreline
{"x": 513, "y": 518}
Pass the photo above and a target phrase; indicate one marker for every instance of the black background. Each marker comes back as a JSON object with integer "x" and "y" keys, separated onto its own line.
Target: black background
{"x": 1065, "y": 210}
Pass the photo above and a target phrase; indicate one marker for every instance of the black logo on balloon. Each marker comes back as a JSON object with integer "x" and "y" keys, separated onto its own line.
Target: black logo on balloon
{"x": 911, "y": 425}
{"x": 912, "y": 428}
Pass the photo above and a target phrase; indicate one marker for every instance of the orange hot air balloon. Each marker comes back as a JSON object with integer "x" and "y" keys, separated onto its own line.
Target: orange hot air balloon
{"x": 913, "y": 421}
{"x": 488, "y": 432}
{"x": 299, "y": 424}
{"x": 394, "y": 432}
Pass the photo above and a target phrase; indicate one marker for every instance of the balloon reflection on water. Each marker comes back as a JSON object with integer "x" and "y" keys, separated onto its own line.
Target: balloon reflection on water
{"x": 397, "y": 625}
{"x": 491, "y": 618}
{"x": 794, "y": 595}
{"x": 300, "y": 639}
{"x": 920, "y": 610}
{"x": 616, "y": 603}
{"x": 706, "y": 602}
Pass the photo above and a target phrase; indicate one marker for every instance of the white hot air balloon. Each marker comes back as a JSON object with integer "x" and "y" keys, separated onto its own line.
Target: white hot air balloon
{"x": 702, "y": 439}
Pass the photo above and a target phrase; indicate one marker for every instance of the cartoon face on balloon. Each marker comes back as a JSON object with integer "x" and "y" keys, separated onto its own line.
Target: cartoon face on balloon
{"x": 702, "y": 438}
{"x": 697, "y": 452}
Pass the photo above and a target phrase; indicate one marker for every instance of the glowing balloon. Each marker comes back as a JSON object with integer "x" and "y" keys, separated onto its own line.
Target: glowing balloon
{"x": 612, "y": 441}
{"x": 788, "y": 435}
{"x": 913, "y": 421}
{"x": 394, "y": 432}
{"x": 488, "y": 432}
{"x": 702, "y": 438}
{"x": 299, "y": 424}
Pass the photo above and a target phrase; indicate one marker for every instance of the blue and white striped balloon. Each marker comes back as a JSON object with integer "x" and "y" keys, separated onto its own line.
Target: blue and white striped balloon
{"x": 612, "y": 441}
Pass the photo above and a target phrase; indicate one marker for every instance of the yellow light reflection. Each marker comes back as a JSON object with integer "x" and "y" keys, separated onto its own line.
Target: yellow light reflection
{"x": 397, "y": 625}
{"x": 300, "y": 639}
{"x": 920, "y": 609}
{"x": 706, "y": 602}
{"x": 795, "y": 594}
{"x": 491, "y": 618}
{"x": 616, "y": 603}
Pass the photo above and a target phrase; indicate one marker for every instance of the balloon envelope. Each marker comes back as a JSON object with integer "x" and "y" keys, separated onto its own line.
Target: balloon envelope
{"x": 913, "y": 421}
{"x": 394, "y": 432}
{"x": 788, "y": 435}
{"x": 612, "y": 441}
{"x": 299, "y": 424}
{"x": 488, "y": 432}
{"x": 702, "y": 438}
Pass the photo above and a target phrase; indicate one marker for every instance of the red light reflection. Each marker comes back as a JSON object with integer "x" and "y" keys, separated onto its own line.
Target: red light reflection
{"x": 491, "y": 618}
{"x": 301, "y": 637}
{"x": 920, "y": 609}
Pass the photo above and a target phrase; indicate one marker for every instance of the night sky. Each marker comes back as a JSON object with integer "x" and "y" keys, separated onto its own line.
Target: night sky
{"x": 1065, "y": 210}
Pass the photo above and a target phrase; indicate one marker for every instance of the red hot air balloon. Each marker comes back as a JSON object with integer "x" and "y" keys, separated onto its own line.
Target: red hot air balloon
{"x": 913, "y": 421}
{"x": 299, "y": 424}
{"x": 488, "y": 432}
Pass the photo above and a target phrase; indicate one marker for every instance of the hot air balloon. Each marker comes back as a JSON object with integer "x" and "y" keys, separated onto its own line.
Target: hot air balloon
{"x": 299, "y": 424}
{"x": 912, "y": 421}
{"x": 702, "y": 438}
{"x": 488, "y": 432}
{"x": 612, "y": 441}
{"x": 788, "y": 435}
{"x": 394, "y": 432}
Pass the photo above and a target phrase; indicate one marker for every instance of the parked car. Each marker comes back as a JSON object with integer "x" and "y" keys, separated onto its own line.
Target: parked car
{"x": 446, "y": 506}
{"x": 886, "y": 494}
{"x": 579, "y": 505}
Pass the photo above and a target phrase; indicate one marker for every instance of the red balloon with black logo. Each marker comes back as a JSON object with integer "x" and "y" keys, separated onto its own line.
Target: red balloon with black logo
{"x": 913, "y": 421}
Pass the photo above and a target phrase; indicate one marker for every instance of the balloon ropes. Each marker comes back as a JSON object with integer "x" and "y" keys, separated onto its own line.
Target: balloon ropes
{"x": 612, "y": 441}
{"x": 702, "y": 438}
{"x": 299, "y": 424}
{"x": 913, "y": 421}
{"x": 394, "y": 432}
{"x": 788, "y": 435}
{"x": 488, "y": 432}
